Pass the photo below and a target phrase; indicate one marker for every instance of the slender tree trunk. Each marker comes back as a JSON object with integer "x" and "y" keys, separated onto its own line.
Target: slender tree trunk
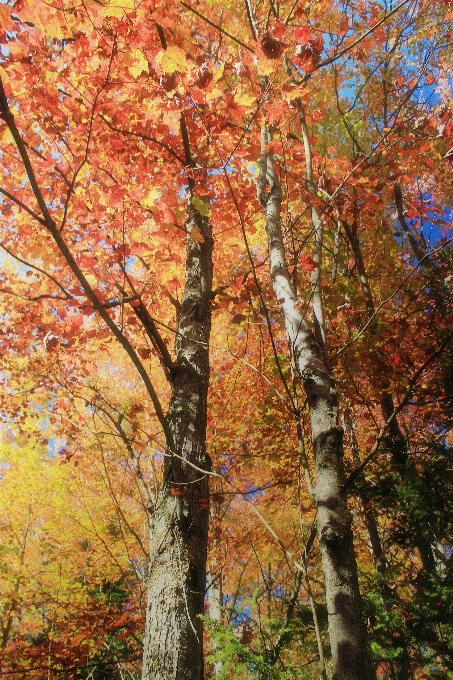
{"x": 318, "y": 236}
{"x": 346, "y": 629}
{"x": 173, "y": 640}
{"x": 215, "y": 591}
{"x": 215, "y": 597}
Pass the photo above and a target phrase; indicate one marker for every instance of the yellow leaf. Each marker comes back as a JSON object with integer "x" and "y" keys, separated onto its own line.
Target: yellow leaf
{"x": 214, "y": 94}
{"x": 44, "y": 17}
{"x": 196, "y": 235}
{"x": 173, "y": 59}
{"x": 150, "y": 199}
{"x": 296, "y": 93}
{"x": 4, "y": 75}
{"x": 116, "y": 8}
{"x": 92, "y": 280}
{"x": 140, "y": 64}
{"x": 6, "y": 136}
{"x": 218, "y": 72}
{"x": 200, "y": 206}
{"x": 244, "y": 99}
{"x": 54, "y": 29}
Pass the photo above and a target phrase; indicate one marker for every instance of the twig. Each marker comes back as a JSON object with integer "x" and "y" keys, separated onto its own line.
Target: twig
{"x": 219, "y": 28}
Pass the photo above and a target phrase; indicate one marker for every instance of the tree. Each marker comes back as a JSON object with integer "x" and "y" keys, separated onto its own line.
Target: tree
{"x": 70, "y": 602}
{"x": 131, "y": 132}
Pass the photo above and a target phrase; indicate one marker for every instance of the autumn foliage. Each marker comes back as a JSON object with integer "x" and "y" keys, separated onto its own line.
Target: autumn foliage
{"x": 142, "y": 145}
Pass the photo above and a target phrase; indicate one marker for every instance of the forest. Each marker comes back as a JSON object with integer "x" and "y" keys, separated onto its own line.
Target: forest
{"x": 226, "y": 276}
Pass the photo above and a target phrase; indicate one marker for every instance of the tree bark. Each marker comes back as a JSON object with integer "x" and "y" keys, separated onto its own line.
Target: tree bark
{"x": 346, "y": 629}
{"x": 173, "y": 643}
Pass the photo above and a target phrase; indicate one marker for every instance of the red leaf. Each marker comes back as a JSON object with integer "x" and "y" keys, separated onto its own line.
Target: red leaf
{"x": 307, "y": 263}
{"x": 279, "y": 29}
{"x": 344, "y": 25}
{"x": 302, "y": 35}
{"x": 205, "y": 76}
{"x": 76, "y": 320}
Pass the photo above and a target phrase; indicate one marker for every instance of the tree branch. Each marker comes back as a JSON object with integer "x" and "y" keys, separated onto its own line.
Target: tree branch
{"x": 51, "y": 226}
{"x": 38, "y": 269}
{"x": 219, "y": 28}
{"x": 142, "y": 136}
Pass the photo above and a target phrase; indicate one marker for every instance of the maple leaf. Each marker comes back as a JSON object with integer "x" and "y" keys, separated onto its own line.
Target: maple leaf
{"x": 140, "y": 64}
{"x": 5, "y": 19}
{"x": 196, "y": 235}
{"x": 200, "y": 206}
{"x": 243, "y": 99}
{"x": 116, "y": 8}
{"x": 205, "y": 75}
{"x": 173, "y": 59}
{"x": 302, "y": 35}
{"x": 307, "y": 263}
{"x": 279, "y": 30}
{"x": 151, "y": 197}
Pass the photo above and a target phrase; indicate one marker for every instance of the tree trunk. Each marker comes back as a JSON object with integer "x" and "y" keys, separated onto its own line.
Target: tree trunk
{"x": 173, "y": 642}
{"x": 346, "y": 629}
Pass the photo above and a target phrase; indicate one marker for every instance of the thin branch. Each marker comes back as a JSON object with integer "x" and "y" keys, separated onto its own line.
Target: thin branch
{"x": 219, "y": 28}
{"x": 384, "y": 302}
{"x": 397, "y": 410}
{"x": 87, "y": 145}
{"x": 398, "y": 195}
{"x": 150, "y": 327}
{"x": 330, "y": 60}
{"x": 142, "y": 136}
{"x": 35, "y": 298}
{"x": 251, "y": 19}
{"x": 38, "y": 269}
{"x": 18, "y": 202}
{"x": 149, "y": 504}
{"x": 51, "y": 226}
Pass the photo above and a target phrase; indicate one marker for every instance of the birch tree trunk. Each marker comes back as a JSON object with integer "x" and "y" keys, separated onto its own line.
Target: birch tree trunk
{"x": 173, "y": 642}
{"x": 346, "y": 629}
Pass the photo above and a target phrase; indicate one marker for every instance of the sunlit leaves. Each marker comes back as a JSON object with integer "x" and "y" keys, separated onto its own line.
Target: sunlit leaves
{"x": 173, "y": 59}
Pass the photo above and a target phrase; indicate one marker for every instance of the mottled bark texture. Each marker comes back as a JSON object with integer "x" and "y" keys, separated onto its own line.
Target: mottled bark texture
{"x": 346, "y": 628}
{"x": 179, "y": 524}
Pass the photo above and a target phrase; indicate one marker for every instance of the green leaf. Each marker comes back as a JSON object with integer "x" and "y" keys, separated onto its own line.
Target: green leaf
{"x": 200, "y": 206}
